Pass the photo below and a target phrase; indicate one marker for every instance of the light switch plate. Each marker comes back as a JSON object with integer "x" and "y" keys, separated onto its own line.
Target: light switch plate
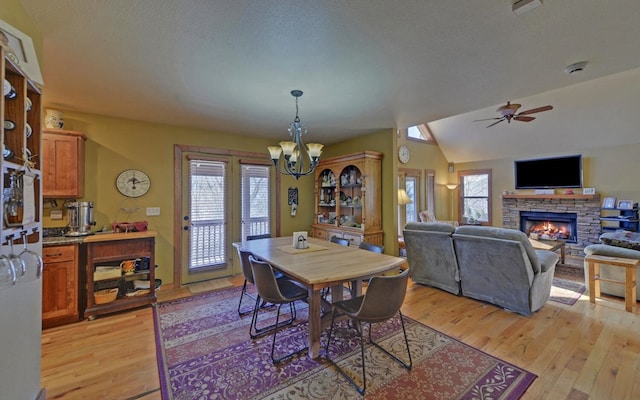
{"x": 153, "y": 211}
{"x": 56, "y": 214}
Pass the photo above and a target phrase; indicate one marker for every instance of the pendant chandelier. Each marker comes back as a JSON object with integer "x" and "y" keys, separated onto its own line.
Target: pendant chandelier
{"x": 299, "y": 160}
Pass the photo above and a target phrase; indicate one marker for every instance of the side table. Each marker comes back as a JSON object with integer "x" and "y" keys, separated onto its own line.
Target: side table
{"x": 593, "y": 278}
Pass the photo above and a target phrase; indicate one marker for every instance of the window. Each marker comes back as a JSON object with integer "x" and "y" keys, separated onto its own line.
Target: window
{"x": 420, "y": 133}
{"x": 410, "y": 185}
{"x": 255, "y": 200}
{"x": 475, "y": 192}
{"x": 207, "y": 211}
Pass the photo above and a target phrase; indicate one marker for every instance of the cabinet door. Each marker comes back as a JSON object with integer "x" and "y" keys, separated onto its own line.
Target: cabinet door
{"x": 62, "y": 165}
{"x": 59, "y": 290}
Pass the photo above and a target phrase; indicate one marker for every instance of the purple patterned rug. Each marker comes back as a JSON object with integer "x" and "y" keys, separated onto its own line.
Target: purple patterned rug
{"x": 204, "y": 352}
{"x": 566, "y": 291}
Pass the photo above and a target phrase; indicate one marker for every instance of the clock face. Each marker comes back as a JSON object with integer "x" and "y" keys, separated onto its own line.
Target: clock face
{"x": 133, "y": 183}
{"x": 403, "y": 154}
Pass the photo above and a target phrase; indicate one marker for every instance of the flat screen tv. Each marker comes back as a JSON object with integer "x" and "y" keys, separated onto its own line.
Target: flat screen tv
{"x": 547, "y": 173}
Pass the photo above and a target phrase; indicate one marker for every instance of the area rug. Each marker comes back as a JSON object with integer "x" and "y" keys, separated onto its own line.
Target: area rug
{"x": 566, "y": 291}
{"x": 204, "y": 352}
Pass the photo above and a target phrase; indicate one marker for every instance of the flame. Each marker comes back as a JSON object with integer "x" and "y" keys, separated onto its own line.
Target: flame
{"x": 551, "y": 230}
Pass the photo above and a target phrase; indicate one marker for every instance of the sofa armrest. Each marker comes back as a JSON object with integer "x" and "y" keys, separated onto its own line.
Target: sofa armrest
{"x": 611, "y": 251}
{"x": 547, "y": 259}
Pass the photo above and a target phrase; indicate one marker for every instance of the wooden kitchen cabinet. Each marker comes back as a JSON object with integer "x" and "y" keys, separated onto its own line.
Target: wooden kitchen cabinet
{"x": 109, "y": 250}
{"x": 62, "y": 163}
{"x": 60, "y": 285}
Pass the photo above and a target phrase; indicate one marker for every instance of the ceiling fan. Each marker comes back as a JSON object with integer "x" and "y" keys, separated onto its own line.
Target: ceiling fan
{"x": 508, "y": 112}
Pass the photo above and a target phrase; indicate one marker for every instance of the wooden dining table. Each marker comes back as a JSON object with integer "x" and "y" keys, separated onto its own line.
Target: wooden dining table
{"x": 323, "y": 264}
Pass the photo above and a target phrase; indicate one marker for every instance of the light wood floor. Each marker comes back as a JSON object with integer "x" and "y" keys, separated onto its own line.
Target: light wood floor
{"x": 584, "y": 351}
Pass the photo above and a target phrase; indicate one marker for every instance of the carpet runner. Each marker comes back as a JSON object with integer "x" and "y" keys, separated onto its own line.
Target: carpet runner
{"x": 204, "y": 352}
{"x": 566, "y": 291}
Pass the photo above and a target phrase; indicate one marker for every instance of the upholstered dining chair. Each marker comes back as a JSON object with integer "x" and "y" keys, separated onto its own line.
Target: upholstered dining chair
{"x": 278, "y": 292}
{"x": 381, "y": 302}
{"x": 243, "y": 256}
{"x": 339, "y": 240}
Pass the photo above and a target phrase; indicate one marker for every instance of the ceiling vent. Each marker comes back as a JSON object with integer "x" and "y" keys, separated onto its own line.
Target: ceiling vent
{"x": 575, "y": 67}
{"x": 522, "y": 6}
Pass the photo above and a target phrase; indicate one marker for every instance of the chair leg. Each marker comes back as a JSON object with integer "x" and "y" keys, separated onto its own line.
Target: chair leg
{"x": 275, "y": 332}
{"x": 242, "y": 293}
{"x": 362, "y": 389}
{"x": 255, "y": 332}
{"x": 406, "y": 342}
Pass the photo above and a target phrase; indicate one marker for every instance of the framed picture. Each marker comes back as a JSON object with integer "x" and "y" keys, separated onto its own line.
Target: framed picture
{"x": 20, "y": 51}
{"x": 625, "y": 204}
{"x": 609, "y": 202}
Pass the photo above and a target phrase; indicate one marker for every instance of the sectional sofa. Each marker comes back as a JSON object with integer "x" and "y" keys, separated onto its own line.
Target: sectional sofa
{"x": 496, "y": 265}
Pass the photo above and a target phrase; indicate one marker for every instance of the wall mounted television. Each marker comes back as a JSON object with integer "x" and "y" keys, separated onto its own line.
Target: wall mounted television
{"x": 548, "y": 173}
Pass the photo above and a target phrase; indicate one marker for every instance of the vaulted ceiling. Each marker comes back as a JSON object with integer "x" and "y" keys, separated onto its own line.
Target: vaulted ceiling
{"x": 229, "y": 65}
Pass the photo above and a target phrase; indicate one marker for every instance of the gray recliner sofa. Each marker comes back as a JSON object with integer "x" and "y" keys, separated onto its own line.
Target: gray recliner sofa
{"x": 431, "y": 256}
{"x": 496, "y": 265}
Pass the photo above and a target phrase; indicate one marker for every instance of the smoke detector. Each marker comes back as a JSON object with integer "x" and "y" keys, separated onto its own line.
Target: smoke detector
{"x": 522, "y": 6}
{"x": 575, "y": 67}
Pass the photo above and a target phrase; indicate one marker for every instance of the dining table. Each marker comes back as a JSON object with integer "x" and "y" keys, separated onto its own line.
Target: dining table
{"x": 321, "y": 265}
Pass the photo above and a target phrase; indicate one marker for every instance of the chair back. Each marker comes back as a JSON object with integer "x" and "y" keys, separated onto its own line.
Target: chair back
{"x": 384, "y": 297}
{"x": 245, "y": 264}
{"x": 265, "y": 281}
{"x": 371, "y": 247}
{"x": 255, "y": 237}
{"x": 340, "y": 241}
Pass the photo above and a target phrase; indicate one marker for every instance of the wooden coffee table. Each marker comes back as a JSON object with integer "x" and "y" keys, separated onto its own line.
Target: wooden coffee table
{"x": 551, "y": 245}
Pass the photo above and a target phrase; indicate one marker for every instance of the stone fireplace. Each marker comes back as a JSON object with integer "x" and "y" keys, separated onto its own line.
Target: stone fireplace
{"x": 576, "y": 216}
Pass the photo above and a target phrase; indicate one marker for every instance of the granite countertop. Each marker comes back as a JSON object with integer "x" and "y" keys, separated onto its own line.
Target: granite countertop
{"x": 98, "y": 237}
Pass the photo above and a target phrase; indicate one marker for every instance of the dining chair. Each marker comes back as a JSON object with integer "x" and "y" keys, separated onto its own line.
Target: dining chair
{"x": 339, "y": 240}
{"x": 381, "y": 302}
{"x": 245, "y": 265}
{"x": 277, "y": 292}
{"x": 376, "y": 248}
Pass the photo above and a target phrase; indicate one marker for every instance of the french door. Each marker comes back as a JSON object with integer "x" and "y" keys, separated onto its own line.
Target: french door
{"x": 222, "y": 199}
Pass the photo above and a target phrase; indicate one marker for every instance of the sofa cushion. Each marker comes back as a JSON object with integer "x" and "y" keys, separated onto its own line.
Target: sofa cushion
{"x": 628, "y": 240}
{"x": 431, "y": 226}
{"x": 506, "y": 234}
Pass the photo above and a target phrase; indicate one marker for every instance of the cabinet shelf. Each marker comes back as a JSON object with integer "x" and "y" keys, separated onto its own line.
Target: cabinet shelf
{"x": 612, "y": 219}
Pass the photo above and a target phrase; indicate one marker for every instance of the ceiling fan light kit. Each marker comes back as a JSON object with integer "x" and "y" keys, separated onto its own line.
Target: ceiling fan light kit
{"x": 522, "y": 6}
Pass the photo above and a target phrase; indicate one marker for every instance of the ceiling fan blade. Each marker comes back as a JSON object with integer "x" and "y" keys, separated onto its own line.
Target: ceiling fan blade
{"x": 536, "y": 110}
{"x": 487, "y": 119}
{"x": 495, "y": 123}
{"x": 523, "y": 118}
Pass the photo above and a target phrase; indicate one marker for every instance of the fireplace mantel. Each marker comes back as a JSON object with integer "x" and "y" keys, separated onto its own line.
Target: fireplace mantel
{"x": 551, "y": 196}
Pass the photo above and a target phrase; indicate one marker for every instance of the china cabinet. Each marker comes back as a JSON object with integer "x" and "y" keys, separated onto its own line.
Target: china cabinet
{"x": 62, "y": 163}
{"x": 348, "y": 198}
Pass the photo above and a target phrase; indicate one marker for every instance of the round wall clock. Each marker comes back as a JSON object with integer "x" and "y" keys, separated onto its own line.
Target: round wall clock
{"x": 133, "y": 183}
{"x": 403, "y": 154}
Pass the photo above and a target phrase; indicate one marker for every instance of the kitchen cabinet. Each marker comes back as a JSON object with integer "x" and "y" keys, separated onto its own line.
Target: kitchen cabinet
{"x": 62, "y": 163}
{"x": 109, "y": 250}
{"x": 348, "y": 198}
{"x": 60, "y": 284}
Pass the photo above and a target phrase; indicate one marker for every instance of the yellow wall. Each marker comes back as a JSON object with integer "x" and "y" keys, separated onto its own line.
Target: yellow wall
{"x": 612, "y": 171}
{"x": 114, "y": 145}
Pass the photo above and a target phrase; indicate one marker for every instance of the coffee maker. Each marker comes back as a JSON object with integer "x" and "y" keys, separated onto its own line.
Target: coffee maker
{"x": 80, "y": 215}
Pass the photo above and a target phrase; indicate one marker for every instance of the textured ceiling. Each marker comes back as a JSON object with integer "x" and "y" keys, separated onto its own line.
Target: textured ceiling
{"x": 229, "y": 65}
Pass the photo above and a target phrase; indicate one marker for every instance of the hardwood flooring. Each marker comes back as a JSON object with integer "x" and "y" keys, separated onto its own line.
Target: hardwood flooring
{"x": 584, "y": 351}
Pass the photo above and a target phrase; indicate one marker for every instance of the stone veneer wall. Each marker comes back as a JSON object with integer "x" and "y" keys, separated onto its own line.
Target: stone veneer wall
{"x": 586, "y": 207}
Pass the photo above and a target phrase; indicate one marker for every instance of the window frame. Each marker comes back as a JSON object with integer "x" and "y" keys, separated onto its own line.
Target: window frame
{"x": 462, "y": 197}
{"x": 426, "y": 133}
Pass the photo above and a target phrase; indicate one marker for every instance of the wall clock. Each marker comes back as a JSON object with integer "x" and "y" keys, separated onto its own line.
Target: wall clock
{"x": 133, "y": 183}
{"x": 403, "y": 154}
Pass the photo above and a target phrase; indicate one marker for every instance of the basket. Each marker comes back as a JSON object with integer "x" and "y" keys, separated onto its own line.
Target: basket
{"x": 105, "y": 295}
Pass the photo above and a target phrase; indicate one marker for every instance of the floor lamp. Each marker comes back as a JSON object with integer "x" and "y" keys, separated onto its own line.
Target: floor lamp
{"x": 452, "y": 187}
{"x": 403, "y": 200}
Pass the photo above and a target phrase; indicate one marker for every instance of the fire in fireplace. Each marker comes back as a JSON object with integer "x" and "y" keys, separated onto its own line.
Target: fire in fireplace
{"x": 548, "y": 225}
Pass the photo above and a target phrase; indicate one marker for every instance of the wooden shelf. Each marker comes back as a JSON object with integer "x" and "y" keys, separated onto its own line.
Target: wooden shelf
{"x": 550, "y": 196}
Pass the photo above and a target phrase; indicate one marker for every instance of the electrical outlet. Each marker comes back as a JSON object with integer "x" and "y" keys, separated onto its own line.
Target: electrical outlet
{"x": 56, "y": 214}
{"x": 153, "y": 211}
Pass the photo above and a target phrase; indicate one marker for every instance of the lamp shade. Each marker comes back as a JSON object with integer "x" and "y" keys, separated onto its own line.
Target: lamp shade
{"x": 403, "y": 198}
{"x": 451, "y": 186}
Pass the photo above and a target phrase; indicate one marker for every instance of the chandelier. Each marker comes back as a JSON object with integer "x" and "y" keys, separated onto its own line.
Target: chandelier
{"x": 299, "y": 160}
